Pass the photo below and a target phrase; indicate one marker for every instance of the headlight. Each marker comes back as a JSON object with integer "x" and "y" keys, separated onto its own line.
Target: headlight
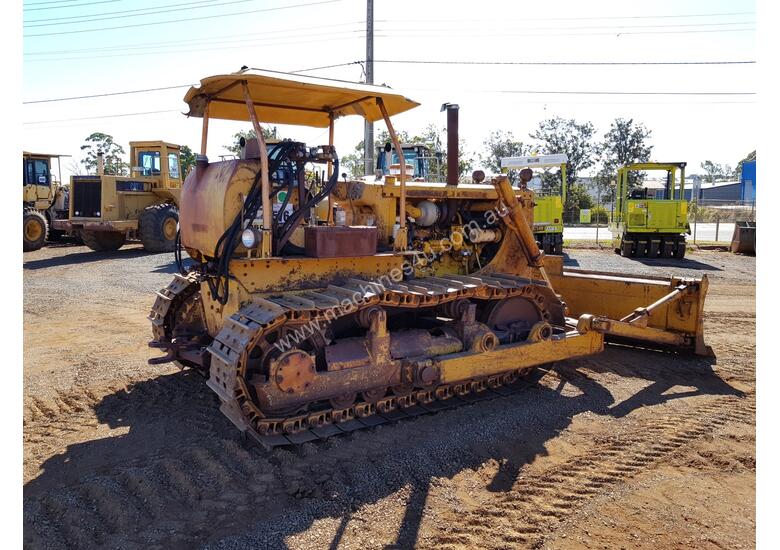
{"x": 250, "y": 238}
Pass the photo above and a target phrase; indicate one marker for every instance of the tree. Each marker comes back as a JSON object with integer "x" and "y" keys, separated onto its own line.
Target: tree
{"x": 713, "y": 169}
{"x": 558, "y": 135}
{"x": 352, "y": 165}
{"x": 269, "y": 133}
{"x": 625, "y": 142}
{"x": 502, "y": 144}
{"x": 112, "y": 154}
{"x": 187, "y": 159}
{"x": 738, "y": 170}
{"x": 74, "y": 167}
{"x": 577, "y": 196}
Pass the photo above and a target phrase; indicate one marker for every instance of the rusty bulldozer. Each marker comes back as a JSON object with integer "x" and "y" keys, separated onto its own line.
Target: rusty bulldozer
{"x": 321, "y": 305}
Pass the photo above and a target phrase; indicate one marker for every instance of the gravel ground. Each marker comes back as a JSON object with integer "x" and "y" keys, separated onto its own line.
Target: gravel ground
{"x": 627, "y": 449}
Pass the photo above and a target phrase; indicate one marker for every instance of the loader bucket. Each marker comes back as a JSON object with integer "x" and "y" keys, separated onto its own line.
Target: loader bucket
{"x": 650, "y": 311}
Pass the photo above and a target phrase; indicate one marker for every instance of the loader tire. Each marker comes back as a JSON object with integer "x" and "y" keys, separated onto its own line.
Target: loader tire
{"x": 103, "y": 241}
{"x": 34, "y": 229}
{"x": 625, "y": 249}
{"x": 157, "y": 226}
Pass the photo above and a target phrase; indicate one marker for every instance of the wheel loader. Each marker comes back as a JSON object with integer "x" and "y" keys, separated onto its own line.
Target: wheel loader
{"x": 107, "y": 210}
{"x": 548, "y": 207}
{"x": 425, "y": 296}
{"x": 45, "y": 200}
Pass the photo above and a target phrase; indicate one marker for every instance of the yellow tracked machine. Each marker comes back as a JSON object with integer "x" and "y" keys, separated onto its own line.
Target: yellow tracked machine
{"x": 319, "y": 305}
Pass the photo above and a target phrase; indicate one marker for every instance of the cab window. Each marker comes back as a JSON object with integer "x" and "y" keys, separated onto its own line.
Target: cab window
{"x": 36, "y": 172}
{"x": 149, "y": 161}
{"x": 173, "y": 165}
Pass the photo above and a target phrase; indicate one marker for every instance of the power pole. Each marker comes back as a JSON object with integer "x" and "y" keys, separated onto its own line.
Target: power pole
{"x": 368, "y": 130}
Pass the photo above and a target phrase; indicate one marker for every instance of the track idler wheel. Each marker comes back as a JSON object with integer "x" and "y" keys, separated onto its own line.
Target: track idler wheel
{"x": 343, "y": 401}
{"x": 372, "y": 396}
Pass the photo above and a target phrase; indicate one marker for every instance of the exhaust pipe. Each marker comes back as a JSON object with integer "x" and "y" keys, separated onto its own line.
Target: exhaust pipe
{"x": 452, "y": 142}
{"x": 100, "y": 168}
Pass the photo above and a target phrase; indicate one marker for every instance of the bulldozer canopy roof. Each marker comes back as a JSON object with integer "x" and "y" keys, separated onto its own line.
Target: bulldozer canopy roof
{"x": 28, "y": 154}
{"x": 282, "y": 98}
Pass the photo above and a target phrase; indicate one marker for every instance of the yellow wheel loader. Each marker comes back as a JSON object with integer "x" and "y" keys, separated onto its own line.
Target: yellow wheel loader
{"x": 422, "y": 296}
{"x": 45, "y": 200}
{"x": 107, "y": 210}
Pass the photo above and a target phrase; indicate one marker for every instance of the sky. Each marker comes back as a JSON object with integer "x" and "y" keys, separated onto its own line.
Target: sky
{"x": 86, "y": 47}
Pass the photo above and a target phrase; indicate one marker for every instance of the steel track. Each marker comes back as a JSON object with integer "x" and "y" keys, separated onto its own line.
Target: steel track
{"x": 230, "y": 349}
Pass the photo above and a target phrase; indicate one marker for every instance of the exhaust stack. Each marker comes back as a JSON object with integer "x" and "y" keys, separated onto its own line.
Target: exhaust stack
{"x": 452, "y": 142}
{"x": 100, "y": 168}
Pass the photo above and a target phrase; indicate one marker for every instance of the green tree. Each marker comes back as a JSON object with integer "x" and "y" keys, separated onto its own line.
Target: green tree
{"x": 574, "y": 139}
{"x": 577, "y": 196}
{"x": 713, "y": 170}
{"x": 625, "y": 142}
{"x": 112, "y": 154}
{"x": 269, "y": 133}
{"x": 748, "y": 158}
{"x": 187, "y": 160}
{"x": 502, "y": 144}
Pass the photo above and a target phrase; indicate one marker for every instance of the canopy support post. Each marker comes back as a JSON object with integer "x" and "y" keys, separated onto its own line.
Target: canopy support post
{"x": 400, "y": 242}
{"x": 205, "y": 131}
{"x": 330, "y": 168}
{"x": 266, "y": 248}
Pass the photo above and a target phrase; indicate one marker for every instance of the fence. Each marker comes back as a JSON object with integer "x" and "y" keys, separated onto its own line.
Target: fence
{"x": 710, "y": 221}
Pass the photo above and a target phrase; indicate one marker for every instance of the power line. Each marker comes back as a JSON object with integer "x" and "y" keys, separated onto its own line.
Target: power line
{"x": 591, "y": 18}
{"x": 209, "y": 40}
{"x": 563, "y": 63}
{"x": 546, "y": 34}
{"x": 526, "y": 28}
{"x": 200, "y": 18}
{"x": 111, "y": 15}
{"x": 592, "y": 92}
{"x": 146, "y": 90}
{"x": 49, "y": 2}
{"x": 327, "y": 67}
{"x": 126, "y": 92}
{"x": 69, "y": 6}
{"x": 102, "y": 116}
{"x": 293, "y": 41}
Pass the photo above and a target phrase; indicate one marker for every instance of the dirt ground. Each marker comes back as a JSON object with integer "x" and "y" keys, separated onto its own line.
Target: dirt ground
{"x": 629, "y": 449}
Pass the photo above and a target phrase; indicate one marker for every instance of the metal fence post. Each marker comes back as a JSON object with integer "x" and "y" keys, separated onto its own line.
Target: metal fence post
{"x": 717, "y": 227}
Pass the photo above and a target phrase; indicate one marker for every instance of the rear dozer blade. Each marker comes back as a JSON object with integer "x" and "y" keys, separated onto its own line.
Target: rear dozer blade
{"x": 666, "y": 313}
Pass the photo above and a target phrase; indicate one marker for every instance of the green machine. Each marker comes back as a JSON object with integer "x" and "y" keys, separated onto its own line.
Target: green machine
{"x": 548, "y": 206}
{"x": 648, "y": 225}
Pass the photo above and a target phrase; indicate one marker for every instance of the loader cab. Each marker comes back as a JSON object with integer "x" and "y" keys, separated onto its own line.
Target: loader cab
{"x": 157, "y": 159}
{"x": 421, "y": 163}
{"x": 39, "y": 182}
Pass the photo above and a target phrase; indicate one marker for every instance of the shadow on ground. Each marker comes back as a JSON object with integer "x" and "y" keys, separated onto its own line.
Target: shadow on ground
{"x": 683, "y": 263}
{"x": 86, "y": 255}
{"x": 174, "y": 423}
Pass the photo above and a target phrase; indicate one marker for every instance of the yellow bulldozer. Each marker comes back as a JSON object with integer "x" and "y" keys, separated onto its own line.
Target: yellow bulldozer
{"x": 419, "y": 295}
{"x": 45, "y": 199}
{"x": 107, "y": 210}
